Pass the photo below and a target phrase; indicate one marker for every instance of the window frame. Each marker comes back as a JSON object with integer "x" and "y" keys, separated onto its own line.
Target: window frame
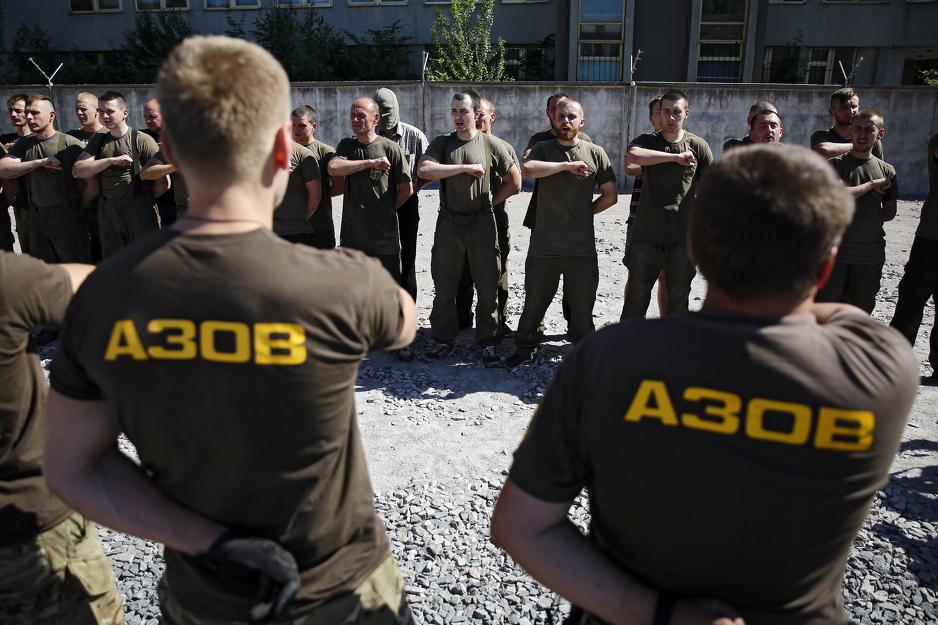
{"x": 371, "y": 3}
{"x": 163, "y": 7}
{"x": 308, "y": 4}
{"x": 231, "y": 6}
{"x": 715, "y": 59}
{"x": 120, "y": 9}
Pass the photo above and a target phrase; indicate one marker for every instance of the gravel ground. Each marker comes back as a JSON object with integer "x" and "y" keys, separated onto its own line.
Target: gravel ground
{"x": 439, "y": 440}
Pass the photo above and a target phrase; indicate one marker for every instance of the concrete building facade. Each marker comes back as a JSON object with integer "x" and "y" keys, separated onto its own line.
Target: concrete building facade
{"x": 726, "y": 41}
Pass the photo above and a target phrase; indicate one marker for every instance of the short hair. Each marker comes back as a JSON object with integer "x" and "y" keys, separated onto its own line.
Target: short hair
{"x": 213, "y": 117}
{"x": 84, "y": 96}
{"x": 488, "y": 103}
{"x": 755, "y": 118}
{"x": 16, "y": 97}
{"x": 560, "y": 95}
{"x": 764, "y": 219}
{"x": 571, "y": 101}
{"x": 654, "y": 104}
{"x": 472, "y": 96}
{"x": 373, "y": 107}
{"x": 873, "y": 116}
{"x": 675, "y": 95}
{"x": 113, "y": 96}
{"x": 40, "y": 98}
{"x": 842, "y": 95}
{"x": 761, "y": 105}
{"x": 305, "y": 110}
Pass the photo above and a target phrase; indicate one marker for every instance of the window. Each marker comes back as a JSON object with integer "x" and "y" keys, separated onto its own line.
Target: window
{"x": 306, "y": 3}
{"x": 856, "y": 1}
{"x": 356, "y": 3}
{"x": 94, "y": 6}
{"x": 232, "y": 4}
{"x": 159, "y": 5}
{"x": 600, "y": 45}
{"x": 813, "y": 66}
{"x": 528, "y": 63}
{"x": 722, "y": 35}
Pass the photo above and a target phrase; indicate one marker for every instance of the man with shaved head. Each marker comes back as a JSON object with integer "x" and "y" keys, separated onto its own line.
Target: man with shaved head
{"x": 755, "y": 109}
{"x": 86, "y": 110}
{"x": 563, "y": 242}
{"x": 377, "y": 183}
{"x": 58, "y": 232}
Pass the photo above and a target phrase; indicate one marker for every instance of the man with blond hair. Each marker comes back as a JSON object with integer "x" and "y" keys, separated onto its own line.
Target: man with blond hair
{"x": 788, "y": 411}
{"x": 252, "y": 471}
{"x": 86, "y": 110}
{"x": 126, "y": 209}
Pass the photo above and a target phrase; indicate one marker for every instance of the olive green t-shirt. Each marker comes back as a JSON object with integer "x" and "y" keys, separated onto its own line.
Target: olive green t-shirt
{"x": 462, "y": 193}
{"x": 530, "y": 216}
{"x": 290, "y": 216}
{"x": 727, "y": 455}
{"x": 260, "y": 341}
{"x": 180, "y": 191}
{"x": 21, "y": 200}
{"x": 321, "y": 221}
{"x": 565, "y": 210}
{"x": 369, "y": 211}
{"x": 668, "y": 189}
{"x": 32, "y": 293}
{"x": 831, "y": 136}
{"x": 736, "y": 143}
{"x": 117, "y": 182}
{"x": 928, "y": 226}
{"x": 46, "y": 186}
{"x": 864, "y": 242}
{"x": 84, "y": 136}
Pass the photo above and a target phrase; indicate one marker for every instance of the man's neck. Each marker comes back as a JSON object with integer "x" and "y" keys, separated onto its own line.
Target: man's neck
{"x": 863, "y": 156}
{"x": 842, "y": 129}
{"x": 310, "y": 142}
{"x": 569, "y": 142}
{"x": 23, "y": 130}
{"x": 673, "y": 137}
{"x": 93, "y": 128}
{"x": 227, "y": 210}
{"x": 367, "y": 137}
{"x": 46, "y": 133}
{"x": 552, "y": 131}
{"x": 120, "y": 130}
{"x": 467, "y": 134}
{"x": 781, "y": 306}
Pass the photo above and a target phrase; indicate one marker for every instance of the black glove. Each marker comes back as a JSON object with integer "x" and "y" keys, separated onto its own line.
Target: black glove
{"x": 239, "y": 557}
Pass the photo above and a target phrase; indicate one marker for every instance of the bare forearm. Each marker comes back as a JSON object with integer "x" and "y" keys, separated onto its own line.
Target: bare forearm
{"x": 345, "y": 167}
{"x": 431, "y": 170}
{"x": 404, "y": 191}
{"x": 642, "y": 157}
{"x": 155, "y": 172}
{"x": 90, "y": 167}
{"x": 10, "y": 168}
{"x": 541, "y": 169}
{"x": 604, "y": 201}
{"x": 830, "y": 150}
{"x": 632, "y": 170}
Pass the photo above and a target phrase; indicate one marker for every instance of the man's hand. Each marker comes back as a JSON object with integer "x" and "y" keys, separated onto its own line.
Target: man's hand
{"x": 52, "y": 163}
{"x": 241, "y": 560}
{"x": 124, "y": 160}
{"x": 381, "y": 163}
{"x": 686, "y": 158}
{"x": 880, "y": 185}
{"x": 579, "y": 168}
{"x": 704, "y": 612}
{"x": 475, "y": 169}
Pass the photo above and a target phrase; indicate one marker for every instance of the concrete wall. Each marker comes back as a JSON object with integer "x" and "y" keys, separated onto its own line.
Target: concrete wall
{"x": 614, "y": 113}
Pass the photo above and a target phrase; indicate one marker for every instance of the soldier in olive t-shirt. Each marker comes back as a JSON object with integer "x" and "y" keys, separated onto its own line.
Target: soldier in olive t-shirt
{"x": 659, "y": 232}
{"x": 321, "y": 222}
{"x": 291, "y": 217}
{"x": 832, "y": 136}
{"x": 58, "y": 231}
{"x": 563, "y": 242}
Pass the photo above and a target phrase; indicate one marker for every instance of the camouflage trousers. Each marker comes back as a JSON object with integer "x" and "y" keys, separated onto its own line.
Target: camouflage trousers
{"x": 59, "y": 577}
{"x": 378, "y": 601}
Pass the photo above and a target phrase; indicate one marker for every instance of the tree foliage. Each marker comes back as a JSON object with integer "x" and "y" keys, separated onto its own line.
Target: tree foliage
{"x": 308, "y": 48}
{"x": 380, "y": 58}
{"x": 535, "y": 65}
{"x": 31, "y": 40}
{"x": 926, "y": 72}
{"x": 464, "y": 50}
{"x": 149, "y": 42}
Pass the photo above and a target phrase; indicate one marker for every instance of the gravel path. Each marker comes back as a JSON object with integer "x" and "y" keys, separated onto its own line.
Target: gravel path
{"x": 439, "y": 441}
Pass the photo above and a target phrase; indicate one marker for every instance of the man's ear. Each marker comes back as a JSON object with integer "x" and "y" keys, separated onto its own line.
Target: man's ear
{"x": 881, "y": 133}
{"x": 283, "y": 144}
{"x": 824, "y": 271}
{"x": 830, "y": 112}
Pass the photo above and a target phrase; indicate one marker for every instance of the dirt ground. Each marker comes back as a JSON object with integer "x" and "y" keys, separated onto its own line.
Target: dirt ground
{"x": 456, "y": 419}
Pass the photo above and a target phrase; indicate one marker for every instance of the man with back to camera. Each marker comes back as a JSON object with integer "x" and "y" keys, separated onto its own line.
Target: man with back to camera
{"x": 466, "y": 161}
{"x": 672, "y": 161}
{"x": 835, "y": 141}
{"x": 466, "y": 287}
{"x": 126, "y": 210}
{"x": 256, "y": 483}
{"x": 920, "y": 280}
{"x": 52, "y": 566}
{"x": 303, "y": 119}
{"x": 768, "y": 420}
{"x": 413, "y": 144}
{"x": 58, "y": 231}
{"x": 755, "y": 109}
{"x": 859, "y": 268}
{"x": 18, "y": 193}
{"x": 563, "y": 242}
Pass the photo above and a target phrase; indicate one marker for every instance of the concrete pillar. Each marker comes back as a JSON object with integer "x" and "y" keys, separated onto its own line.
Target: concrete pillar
{"x": 750, "y": 43}
{"x": 694, "y": 39}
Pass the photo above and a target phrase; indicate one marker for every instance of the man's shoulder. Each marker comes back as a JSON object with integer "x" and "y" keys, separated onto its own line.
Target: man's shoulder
{"x": 301, "y": 151}
{"x": 544, "y": 135}
{"x": 71, "y": 140}
{"x": 412, "y": 129}
{"x": 826, "y": 136}
{"x": 695, "y": 139}
{"x": 322, "y": 147}
{"x": 145, "y": 139}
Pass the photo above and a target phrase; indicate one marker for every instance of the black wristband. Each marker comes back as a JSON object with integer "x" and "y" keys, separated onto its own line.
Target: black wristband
{"x": 663, "y": 608}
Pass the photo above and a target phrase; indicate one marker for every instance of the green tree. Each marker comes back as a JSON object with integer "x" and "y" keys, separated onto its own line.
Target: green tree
{"x": 926, "y": 72}
{"x": 31, "y": 40}
{"x": 464, "y": 50}
{"x": 149, "y": 42}
{"x": 381, "y": 57}
{"x": 308, "y": 49}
